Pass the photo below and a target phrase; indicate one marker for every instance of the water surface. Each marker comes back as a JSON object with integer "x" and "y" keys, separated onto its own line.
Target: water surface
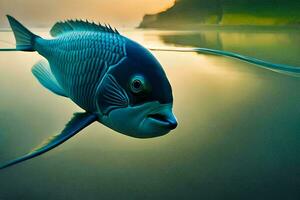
{"x": 238, "y": 134}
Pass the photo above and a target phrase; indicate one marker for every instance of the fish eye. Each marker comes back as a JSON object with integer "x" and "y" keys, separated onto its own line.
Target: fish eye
{"x": 137, "y": 84}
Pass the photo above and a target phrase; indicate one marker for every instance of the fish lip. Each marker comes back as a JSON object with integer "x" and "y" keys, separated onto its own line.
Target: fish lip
{"x": 168, "y": 121}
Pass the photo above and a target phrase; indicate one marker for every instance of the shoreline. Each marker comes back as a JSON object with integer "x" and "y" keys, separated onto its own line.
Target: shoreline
{"x": 208, "y": 27}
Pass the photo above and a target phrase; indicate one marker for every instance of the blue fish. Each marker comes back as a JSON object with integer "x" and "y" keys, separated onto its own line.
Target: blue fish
{"x": 118, "y": 82}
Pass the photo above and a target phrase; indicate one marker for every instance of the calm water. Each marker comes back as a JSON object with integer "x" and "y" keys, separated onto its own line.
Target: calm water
{"x": 238, "y": 135}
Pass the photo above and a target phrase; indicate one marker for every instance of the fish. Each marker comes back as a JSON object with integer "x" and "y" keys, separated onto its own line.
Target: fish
{"x": 115, "y": 80}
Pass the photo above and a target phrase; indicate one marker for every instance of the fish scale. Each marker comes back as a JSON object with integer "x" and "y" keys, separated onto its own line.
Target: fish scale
{"x": 78, "y": 60}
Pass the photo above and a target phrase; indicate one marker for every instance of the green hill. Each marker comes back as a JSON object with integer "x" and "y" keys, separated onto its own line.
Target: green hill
{"x": 226, "y": 12}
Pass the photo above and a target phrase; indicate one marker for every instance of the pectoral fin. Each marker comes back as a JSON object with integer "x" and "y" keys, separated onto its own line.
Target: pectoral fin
{"x": 77, "y": 123}
{"x": 42, "y": 71}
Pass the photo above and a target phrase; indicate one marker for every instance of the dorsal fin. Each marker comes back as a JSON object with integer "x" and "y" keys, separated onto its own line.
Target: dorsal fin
{"x": 80, "y": 25}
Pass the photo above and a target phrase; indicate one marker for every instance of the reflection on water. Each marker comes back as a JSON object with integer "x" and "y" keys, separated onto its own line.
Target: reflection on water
{"x": 282, "y": 47}
{"x": 238, "y": 134}
{"x": 205, "y": 40}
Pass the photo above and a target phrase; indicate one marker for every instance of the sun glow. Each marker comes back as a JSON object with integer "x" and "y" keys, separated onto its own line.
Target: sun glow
{"x": 116, "y": 12}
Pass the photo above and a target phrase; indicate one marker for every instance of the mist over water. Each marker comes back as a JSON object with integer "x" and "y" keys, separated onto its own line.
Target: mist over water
{"x": 238, "y": 134}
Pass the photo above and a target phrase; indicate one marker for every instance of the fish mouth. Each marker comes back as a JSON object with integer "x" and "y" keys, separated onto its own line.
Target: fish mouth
{"x": 167, "y": 120}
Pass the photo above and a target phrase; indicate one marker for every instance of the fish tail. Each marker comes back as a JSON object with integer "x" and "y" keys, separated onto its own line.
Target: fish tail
{"x": 25, "y": 39}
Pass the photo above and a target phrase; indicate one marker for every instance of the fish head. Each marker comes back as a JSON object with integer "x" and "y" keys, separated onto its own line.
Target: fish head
{"x": 135, "y": 96}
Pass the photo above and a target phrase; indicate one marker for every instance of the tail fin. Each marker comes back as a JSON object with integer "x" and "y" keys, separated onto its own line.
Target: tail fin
{"x": 25, "y": 39}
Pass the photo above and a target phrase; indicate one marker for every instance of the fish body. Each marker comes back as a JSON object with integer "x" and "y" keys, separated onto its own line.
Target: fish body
{"x": 94, "y": 65}
{"x": 115, "y": 80}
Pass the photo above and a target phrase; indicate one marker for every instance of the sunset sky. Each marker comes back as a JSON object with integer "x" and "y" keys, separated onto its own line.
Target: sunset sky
{"x": 43, "y": 13}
